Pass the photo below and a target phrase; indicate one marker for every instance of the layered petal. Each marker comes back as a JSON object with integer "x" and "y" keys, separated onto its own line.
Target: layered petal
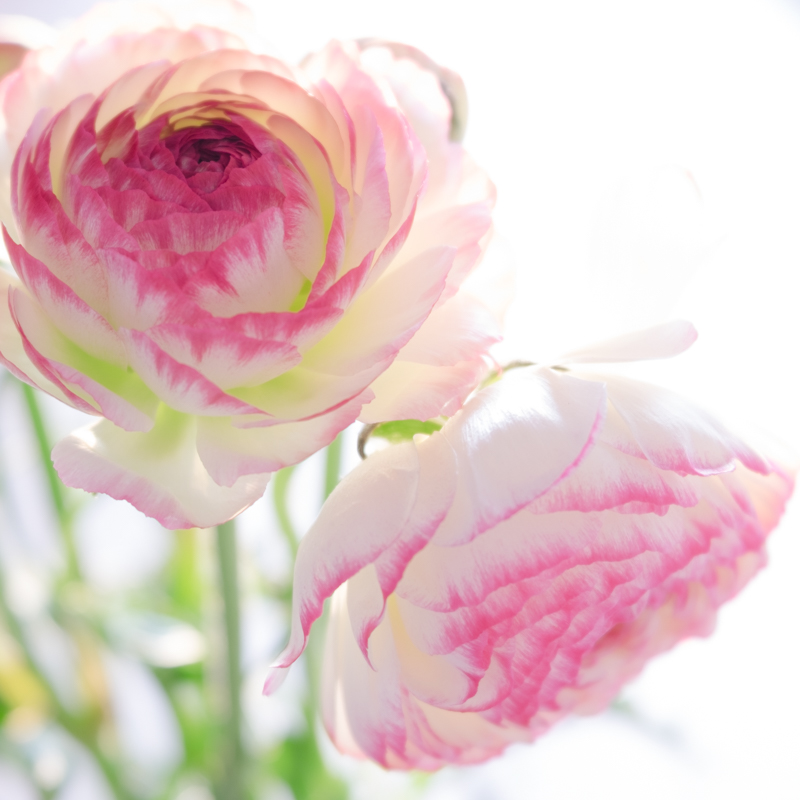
{"x": 584, "y": 544}
{"x": 203, "y": 228}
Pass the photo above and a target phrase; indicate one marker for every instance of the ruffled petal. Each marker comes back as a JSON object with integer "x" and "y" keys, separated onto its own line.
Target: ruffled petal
{"x": 159, "y": 472}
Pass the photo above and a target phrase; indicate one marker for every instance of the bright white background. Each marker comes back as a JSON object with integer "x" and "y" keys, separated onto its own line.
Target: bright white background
{"x": 647, "y": 159}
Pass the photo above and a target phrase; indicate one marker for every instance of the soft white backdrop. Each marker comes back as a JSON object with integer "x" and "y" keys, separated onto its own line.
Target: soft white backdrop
{"x": 647, "y": 159}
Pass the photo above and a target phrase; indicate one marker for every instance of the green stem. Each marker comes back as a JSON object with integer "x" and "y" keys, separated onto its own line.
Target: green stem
{"x": 333, "y": 465}
{"x": 232, "y": 785}
{"x": 280, "y": 496}
{"x": 44, "y": 444}
{"x": 82, "y": 727}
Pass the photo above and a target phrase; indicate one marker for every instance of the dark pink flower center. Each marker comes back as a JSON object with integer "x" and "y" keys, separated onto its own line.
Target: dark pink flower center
{"x": 206, "y": 154}
{"x": 211, "y": 148}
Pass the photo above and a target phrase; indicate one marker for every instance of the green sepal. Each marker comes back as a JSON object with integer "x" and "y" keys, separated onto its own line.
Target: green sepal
{"x": 401, "y": 430}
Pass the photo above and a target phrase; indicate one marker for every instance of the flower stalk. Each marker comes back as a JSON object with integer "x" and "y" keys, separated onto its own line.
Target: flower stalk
{"x": 54, "y": 485}
{"x": 280, "y": 498}
{"x": 232, "y": 778}
{"x": 333, "y": 466}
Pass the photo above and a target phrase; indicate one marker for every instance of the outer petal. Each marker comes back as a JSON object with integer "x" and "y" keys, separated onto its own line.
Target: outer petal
{"x": 12, "y": 349}
{"x": 18, "y": 35}
{"x": 675, "y": 434}
{"x": 461, "y": 329}
{"x": 381, "y": 514}
{"x": 89, "y": 384}
{"x": 159, "y": 472}
{"x": 71, "y": 315}
{"x": 433, "y": 99}
{"x": 661, "y": 341}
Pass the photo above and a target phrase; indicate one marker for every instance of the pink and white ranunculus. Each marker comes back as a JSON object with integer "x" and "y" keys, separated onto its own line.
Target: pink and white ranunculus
{"x": 526, "y": 560}
{"x": 230, "y": 259}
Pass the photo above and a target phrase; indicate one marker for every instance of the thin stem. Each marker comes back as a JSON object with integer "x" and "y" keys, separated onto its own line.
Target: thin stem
{"x": 232, "y": 787}
{"x": 280, "y": 496}
{"x": 54, "y": 484}
{"x": 43, "y": 442}
{"x": 333, "y": 465}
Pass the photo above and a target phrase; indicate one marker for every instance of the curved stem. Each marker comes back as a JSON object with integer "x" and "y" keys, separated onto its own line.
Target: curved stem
{"x": 232, "y": 783}
{"x": 363, "y": 438}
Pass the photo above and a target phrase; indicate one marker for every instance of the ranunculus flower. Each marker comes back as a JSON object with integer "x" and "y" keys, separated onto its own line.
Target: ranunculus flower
{"x": 229, "y": 258}
{"x": 526, "y": 560}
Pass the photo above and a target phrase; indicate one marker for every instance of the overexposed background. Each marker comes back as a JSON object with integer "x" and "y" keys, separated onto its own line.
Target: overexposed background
{"x": 647, "y": 159}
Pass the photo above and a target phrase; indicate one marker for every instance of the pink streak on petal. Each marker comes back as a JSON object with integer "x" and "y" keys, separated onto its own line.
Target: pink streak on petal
{"x": 677, "y": 435}
{"x": 74, "y": 318}
{"x": 514, "y": 441}
{"x": 249, "y": 272}
{"x": 37, "y": 335}
{"x": 225, "y": 357}
{"x": 181, "y": 387}
{"x": 12, "y": 350}
{"x": 47, "y": 233}
{"x": 550, "y": 609}
{"x": 345, "y": 536}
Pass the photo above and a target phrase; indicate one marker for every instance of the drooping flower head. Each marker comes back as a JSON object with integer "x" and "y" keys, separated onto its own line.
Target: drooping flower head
{"x": 228, "y": 258}
{"x": 527, "y": 559}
